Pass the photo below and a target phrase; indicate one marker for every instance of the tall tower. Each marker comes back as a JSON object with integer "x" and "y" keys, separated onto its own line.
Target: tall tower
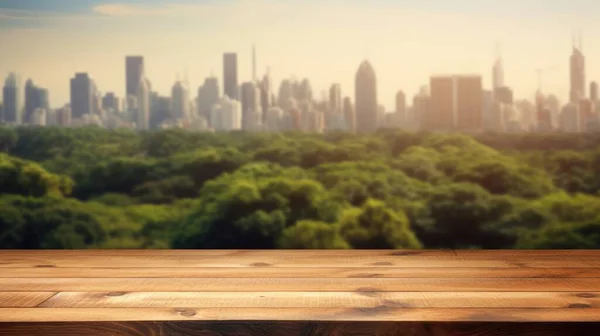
{"x": 143, "y": 110}
{"x": 577, "y": 68}
{"x": 134, "y": 70}
{"x": 230, "y": 75}
{"x": 12, "y": 101}
{"x": 366, "y": 98}
{"x": 594, "y": 91}
{"x": 81, "y": 95}
{"x": 498, "y": 70}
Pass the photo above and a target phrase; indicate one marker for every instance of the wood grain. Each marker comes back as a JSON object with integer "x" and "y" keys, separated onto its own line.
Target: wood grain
{"x": 115, "y": 291}
{"x": 298, "y": 272}
{"x": 297, "y": 285}
{"x": 312, "y": 252}
{"x": 184, "y": 328}
{"x": 323, "y": 300}
{"x": 380, "y": 313}
{"x": 23, "y": 299}
{"x": 297, "y": 260}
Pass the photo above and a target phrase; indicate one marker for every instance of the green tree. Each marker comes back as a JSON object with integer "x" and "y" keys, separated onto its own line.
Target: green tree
{"x": 374, "y": 226}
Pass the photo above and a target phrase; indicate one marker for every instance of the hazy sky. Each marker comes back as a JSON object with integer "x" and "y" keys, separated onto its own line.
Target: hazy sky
{"x": 323, "y": 40}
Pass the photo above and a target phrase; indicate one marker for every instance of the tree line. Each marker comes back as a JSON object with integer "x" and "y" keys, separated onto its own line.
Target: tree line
{"x": 98, "y": 188}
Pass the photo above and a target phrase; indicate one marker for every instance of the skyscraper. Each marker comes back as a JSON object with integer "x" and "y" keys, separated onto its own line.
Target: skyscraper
{"x": 594, "y": 91}
{"x": 335, "y": 99}
{"x": 503, "y": 94}
{"x": 401, "y": 115}
{"x": 349, "y": 115}
{"x": 180, "y": 101}
{"x": 469, "y": 103}
{"x": 110, "y": 102}
{"x": 35, "y": 97}
{"x": 577, "y": 74}
{"x": 134, "y": 70}
{"x": 143, "y": 110}
{"x": 230, "y": 75}
{"x": 81, "y": 95}
{"x": 334, "y": 118}
{"x": 498, "y": 72}
{"x": 208, "y": 95}
{"x": 456, "y": 104}
{"x": 366, "y": 98}
{"x": 12, "y": 101}
{"x": 251, "y": 108}
{"x": 286, "y": 95}
{"x": 226, "y": 115}
{"x": 265, "y": 94}
{"x": 441, "y": 116}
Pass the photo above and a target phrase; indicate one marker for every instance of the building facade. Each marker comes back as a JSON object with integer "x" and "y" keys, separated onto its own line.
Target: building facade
{"x": 230, "y": 75}
{"x": 366, "y": 107}
{"x": 81, "y": 95}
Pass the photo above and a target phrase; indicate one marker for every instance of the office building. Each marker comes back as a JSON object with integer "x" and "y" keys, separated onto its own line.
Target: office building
{"x": 226, "y": 115}
{"x": 134, "y": 72}
{"x": 63, "y": 116}
{"x": 208, "y": 95}
{"x": 251, "y": 108}
{"x": 143, "y": 111}
{"x": 577, "y": 72}
{"x": 334, "y": 117}
{"x": 366, "y": 99}
{"x": 594, "y": 91}
{"x": 111, "y": 102}
{"x": 180, "y": 101}
{"x": 38, "y": 117}
{"x": 349, "y": 115}
{"x": 421, "y": 109}
{"x": 456, "y": 104}
{"x": 81, "y": 95}
{"x": 12, "y": 100}
{"x": 586, "y": 113}
{"x": 498, "y": 72}
{"x": 442, "y": 114}
{"x": 35, "y": 97}
{"x": 160, "y": 110}
{"x": 265, "y": 94}
{"x": 273, "y": 119}
{"x": 570, "y": 118}
{"x": 504, "y": 95}
{"x": 401, "y": 115}
{"x": 285, "y": 98}
{"x": 230, "y": 75}
{"x": 469, "y": 104}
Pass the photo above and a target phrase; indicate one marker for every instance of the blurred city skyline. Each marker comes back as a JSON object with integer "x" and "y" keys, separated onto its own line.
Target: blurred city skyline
{"x": 405, "y": 41}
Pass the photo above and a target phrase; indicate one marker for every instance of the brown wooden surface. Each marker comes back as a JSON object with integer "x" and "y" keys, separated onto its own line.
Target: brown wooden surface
{"x": 118, "y": 289}
{"x": 186, "y": 328}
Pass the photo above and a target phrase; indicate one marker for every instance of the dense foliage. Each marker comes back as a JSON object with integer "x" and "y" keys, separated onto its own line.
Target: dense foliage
{"x": 91, "y": 187}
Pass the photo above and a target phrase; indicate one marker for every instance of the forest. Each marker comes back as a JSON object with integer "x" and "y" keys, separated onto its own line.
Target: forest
{"x": 71, "y": 188}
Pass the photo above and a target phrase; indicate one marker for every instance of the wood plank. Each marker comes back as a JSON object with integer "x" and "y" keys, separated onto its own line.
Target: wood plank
{"x": 311, "y": 252}
{"x": 187, "y": 328}
{"x": 297, "y": 261}
{"x": 323, "y": 300}
{"x": 301, "y": 314}
{"x": 23, "y": 299}
{"x": 249, "y": 253}
{"x": 297, "y": 284}
{"x": 299, "y": 272}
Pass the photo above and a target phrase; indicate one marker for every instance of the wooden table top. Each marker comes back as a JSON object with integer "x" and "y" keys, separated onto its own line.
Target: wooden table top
{"x": 292, "y": 285}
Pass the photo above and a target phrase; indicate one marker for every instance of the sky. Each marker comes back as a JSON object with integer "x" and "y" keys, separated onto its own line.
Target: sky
{"x": 325, "y": 41}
